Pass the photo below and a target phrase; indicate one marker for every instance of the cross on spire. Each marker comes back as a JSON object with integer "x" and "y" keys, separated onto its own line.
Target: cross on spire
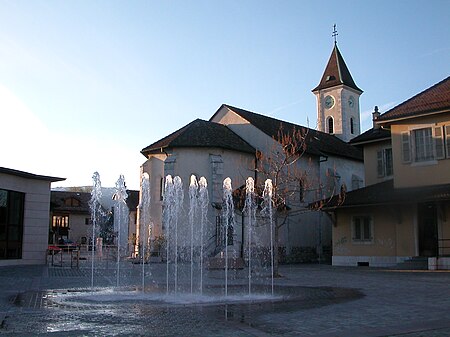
{"x": 335, "y": 33}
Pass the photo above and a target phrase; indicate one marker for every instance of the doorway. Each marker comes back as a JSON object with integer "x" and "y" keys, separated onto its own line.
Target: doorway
{"x": 428, "y": 229}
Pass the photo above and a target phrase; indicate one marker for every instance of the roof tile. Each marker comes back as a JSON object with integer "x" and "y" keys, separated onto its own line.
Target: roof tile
{"x": 317, "y": 142}
{"x": 200, "y": 133}
{"x": 433, "y": 99}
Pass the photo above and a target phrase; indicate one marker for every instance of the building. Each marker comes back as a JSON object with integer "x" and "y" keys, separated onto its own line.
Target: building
{"x": 403, "y": 213}
{"x": 71, "y": 217}
{"x": 24, "y": 216}
{"x": 230, "y": 144}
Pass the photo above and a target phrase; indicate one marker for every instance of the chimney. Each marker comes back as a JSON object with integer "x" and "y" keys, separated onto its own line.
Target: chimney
{"x": 375, "y": 115}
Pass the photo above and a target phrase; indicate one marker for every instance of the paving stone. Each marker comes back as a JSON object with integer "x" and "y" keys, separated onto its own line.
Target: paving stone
{"x": 334, "y": 301}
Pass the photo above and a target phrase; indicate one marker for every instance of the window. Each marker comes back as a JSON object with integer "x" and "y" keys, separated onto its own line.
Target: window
{"x": 11, "y": 224}
{"x": 357, "y": 182}
{"x": 220, "y": 231}
{"x": 72, "y": 202}
{"x": 384, "y": 163}
{"x": 352, "y": 126}
{"x": 406, "y": 150}
{"x": 423, "y": 144}
{"x": 60, "y": 221}
{"x": 426, "y": 144}
{"x": 301, "y": 190}
{"x": 330, "y": 124}
{"x": 362, "y": 228}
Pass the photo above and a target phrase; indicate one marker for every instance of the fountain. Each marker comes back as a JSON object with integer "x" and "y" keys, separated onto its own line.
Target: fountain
{"x": 145, "y": 224}
{"x": 228, "y": 216}
{"x": 173, "y": 203}
{"x": 250, "y": 210}
{"x": 267, "y": 210}
{"x": 96, "y": 211}
{"x": 187, "y": 244}
{"x": 120, "y": 219}
{"x": 203, "y": 204}
{"x": 171, "y": 286}
{"x": 193, "y": 206}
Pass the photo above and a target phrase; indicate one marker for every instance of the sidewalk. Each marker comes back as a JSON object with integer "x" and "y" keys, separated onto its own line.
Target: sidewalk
{"x": 339, "y": 301}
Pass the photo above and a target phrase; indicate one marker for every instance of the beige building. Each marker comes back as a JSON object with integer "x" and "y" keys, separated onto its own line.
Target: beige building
{"x": 71, "y": 218}
{"x": 24, "y": 217}
{"x": 403, "y": 212}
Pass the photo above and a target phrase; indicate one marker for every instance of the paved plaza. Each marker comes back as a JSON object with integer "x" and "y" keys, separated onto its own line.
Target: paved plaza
{"x": 332, "y": 301}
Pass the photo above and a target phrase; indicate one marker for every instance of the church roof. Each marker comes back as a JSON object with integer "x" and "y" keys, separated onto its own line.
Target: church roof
{"x": 317, "y": 143}
{"x": 200, "y": 133}
{"x": 336, "y": 73}
{"x": 432, "y": 100}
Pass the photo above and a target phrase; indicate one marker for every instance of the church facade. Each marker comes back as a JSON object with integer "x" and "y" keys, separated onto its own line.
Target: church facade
{"x": 233, "y": 144}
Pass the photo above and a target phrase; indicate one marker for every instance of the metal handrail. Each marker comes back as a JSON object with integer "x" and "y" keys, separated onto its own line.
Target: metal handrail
{"x": 442, "y": 247}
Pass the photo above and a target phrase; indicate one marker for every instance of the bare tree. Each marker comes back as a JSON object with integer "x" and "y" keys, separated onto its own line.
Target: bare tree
{"x": 289, "y": 166}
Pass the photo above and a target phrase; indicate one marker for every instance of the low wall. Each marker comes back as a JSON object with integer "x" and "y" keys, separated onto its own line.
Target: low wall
{"x": 439, "y": 263}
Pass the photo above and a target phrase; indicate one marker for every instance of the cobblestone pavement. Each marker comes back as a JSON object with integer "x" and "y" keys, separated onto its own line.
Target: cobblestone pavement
{"x": 333, "y": 301}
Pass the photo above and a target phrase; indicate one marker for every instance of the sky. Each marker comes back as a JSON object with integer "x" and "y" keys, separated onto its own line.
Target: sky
{"x": 86, "y": 85}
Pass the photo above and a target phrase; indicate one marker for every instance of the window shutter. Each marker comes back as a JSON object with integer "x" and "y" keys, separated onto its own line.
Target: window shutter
{"x": 447, "y": 139}
{"x": 439, "y": 142}
{"x": 388, "y": 164}
{"x": 406, "y": 147}
{"x": 380, "y": 163}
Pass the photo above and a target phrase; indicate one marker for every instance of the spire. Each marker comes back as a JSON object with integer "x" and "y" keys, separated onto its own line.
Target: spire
{"x": 336, "y": 71}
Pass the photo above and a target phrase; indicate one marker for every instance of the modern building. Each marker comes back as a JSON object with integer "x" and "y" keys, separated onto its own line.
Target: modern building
{"x": 24, "y": 216}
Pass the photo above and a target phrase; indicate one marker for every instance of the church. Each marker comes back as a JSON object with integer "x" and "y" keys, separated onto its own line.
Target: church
{"x": 236, "y": 143}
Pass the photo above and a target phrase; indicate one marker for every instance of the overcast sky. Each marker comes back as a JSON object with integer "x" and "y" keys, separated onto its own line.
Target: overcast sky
{"x": 85, "y": 85}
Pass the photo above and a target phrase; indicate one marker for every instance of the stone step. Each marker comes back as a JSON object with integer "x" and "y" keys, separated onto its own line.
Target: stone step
{"x": 415, "y": 263}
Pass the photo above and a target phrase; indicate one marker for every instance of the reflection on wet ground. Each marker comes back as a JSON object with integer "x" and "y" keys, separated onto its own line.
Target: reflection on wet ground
{"x": 130, "y": 311}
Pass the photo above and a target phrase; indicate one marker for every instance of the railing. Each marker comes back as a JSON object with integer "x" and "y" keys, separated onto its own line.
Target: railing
{"x": 443, "y": 247}
{"x": 58, "y": 254}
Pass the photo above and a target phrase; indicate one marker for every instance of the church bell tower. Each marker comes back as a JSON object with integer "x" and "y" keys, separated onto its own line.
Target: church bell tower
{"x": 338, "y": 99}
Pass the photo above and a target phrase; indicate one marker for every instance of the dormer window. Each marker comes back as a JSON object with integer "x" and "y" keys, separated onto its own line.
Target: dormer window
{"x": 72, "y": 202}
{"x": 330, "y": 78}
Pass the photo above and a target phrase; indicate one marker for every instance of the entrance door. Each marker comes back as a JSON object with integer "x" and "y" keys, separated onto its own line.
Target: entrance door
{"x": 428, "y": 233}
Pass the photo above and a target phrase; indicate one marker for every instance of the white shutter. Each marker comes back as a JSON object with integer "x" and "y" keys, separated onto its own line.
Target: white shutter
{"x": 439, "y": 142}
{"x": 447, "y": 139}
{"x": 380, "y": 163}
{"x": 406, "y": 147}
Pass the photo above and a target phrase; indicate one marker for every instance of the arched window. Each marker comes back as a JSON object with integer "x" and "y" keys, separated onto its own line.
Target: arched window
{"x": 352, "y": 126}
{"x": 330, "y": 124}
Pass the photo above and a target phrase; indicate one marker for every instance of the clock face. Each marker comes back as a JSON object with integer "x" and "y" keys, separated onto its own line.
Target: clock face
{"x": 351, "y": 102}
{"x": 329, "y": 102}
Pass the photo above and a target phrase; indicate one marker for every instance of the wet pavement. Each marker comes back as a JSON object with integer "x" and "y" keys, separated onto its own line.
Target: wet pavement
{"x": 328, "y": 301}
